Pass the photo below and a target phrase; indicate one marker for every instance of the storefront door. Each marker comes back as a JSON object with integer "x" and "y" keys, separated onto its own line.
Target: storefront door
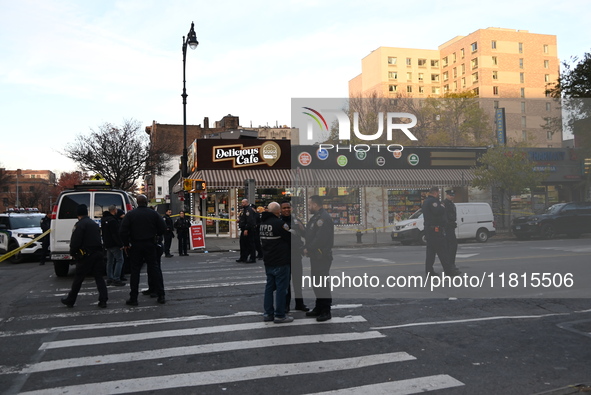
{"x": 217, "y": 207}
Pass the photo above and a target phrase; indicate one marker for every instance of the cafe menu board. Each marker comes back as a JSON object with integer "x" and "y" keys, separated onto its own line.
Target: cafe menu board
{"x": 343, "y": 213}
{"x": 403, "y": 202}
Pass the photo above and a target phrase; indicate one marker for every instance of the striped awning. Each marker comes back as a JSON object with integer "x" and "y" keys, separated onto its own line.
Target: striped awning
{"x": 286, "y": 178}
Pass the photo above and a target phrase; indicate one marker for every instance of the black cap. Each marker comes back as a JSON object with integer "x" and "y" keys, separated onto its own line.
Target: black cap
{"x": 451, "y": 192}
{"x": 81, "y": 210}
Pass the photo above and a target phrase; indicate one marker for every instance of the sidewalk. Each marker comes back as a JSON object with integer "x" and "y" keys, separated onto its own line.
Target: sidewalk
{"x": 341, "y": 240}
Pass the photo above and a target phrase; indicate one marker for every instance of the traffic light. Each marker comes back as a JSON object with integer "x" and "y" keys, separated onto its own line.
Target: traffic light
{"x": 194, "y": 186}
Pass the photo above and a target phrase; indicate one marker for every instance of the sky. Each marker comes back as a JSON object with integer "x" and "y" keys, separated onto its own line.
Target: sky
{"x": 69, "y": 66}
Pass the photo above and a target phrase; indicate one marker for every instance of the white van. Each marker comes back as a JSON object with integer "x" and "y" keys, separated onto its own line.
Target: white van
{"x": 475, "y": 221}
{"x": 98, "y": 197}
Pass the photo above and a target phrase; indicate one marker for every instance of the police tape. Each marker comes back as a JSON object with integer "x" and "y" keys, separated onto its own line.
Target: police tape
{"x": 212, "y": 218}
{"x": 17, "y": 250}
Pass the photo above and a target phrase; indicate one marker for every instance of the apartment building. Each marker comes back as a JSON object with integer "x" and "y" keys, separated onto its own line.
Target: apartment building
{"x": 27, "y": 188}
{"x": 506, "y": 68}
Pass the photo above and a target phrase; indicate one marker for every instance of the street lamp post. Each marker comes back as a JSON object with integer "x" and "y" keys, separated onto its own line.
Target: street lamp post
{"x": 193, "y": 43}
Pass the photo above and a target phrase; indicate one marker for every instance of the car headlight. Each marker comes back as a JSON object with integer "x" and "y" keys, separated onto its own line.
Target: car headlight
{"x": 26, "y": 235}
{"x": 409, "y": 225}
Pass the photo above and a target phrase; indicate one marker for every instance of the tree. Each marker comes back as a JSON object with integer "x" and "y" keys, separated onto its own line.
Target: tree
{"x": 508, "y": 169}
{"x": 120, "y": 154}
{"x": 67, "y": 180}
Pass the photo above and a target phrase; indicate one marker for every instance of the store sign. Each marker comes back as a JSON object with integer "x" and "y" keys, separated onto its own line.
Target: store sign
{"x": 305, "y": 159}
{"x": 342, "y": 161}
{"x": 413, "y": 159}
{"x": 267, "y": 153}
{"x": 322, "y": 154}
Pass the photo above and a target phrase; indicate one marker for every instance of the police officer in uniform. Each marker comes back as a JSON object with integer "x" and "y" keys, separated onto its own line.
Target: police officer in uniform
{"x": 141, "y": 228}
{"x": 247, "y": 224}
{"x": 318, "y": 247}
{"x": 450, "y": 227}
{"x": 298, "y": 232}
{"x": 435, "y": 222}
{"x": 86, "y": 247}
{"x": 169, "y": 234}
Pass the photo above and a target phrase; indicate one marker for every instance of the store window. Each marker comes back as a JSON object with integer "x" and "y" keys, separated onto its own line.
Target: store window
{"x": 343, "y": 204}
{"x": 403, "y": 202}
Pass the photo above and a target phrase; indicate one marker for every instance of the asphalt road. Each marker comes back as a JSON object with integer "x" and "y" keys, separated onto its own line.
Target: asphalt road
{"x": 210, "y": 339}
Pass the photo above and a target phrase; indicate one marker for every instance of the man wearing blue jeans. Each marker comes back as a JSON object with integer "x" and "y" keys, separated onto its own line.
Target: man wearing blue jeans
{"x": 275, "y": 238}
{"x": 113, "y": 245}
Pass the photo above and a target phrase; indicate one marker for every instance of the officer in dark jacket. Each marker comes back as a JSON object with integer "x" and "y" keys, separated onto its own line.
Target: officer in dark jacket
{"x": 112, "y": 242}
{"x": 275, "y": 238}
{"x": 318, "y": 247}
{"x": 247, "y": 224}
{"x": 168, "y": 234}
{"x": 435, "y": 222}
{"x": 298, "y": 232}
{"x": 183, "y": 226}
{"x": 451, "y": 225}
{"x": 45, "y": 226}
{"x": 87, "y": 249}
{"x": 140, "y": 230}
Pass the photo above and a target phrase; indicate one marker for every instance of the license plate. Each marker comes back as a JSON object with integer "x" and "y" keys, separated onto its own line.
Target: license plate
{"x": 518, "y": 227}
{"x": 395, "y": 234}
{"x": 61, "y": 257}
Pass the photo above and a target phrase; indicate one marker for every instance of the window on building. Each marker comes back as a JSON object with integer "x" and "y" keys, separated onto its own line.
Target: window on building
{"x": 5, "y": 189}
{"x": 455, "y": 72}
{"x": 476, "y": 91}
{"x": 522, "y": 77}
{"x": 409, "y": 88}
{"x": 445, "y": 76}
{"x": 495, "y": 61}
{"x": 435, "y": 77}
{"x": 495, "y": 90}
{"x": 474, "y": 63}
{"x": 474, "y": 78}
{"x": 495, "y": 75}
{"x": 408, "y": 61}
{"x": 549, "y": 135}
{"x": 523, "y": 107}
{"x": 463, "y": 82}
{"x": 546, "y": 77}
{"x": 444, "y": 60}
{"x": 445, "y": 88}
{"x": 393, "y": 75}
{"x": 548, "y": 106}
{"x": 523, "y": 122}
{"x": 462, "y": 53}
{"x": 421, "y": 76}
{"x": 546, "y": 64}
{"x": 434, "y": 63}
{"x": 474, "y": 47}
{"x": 392, "y": 60}
{"x": 5, "y": 202}
{"x": 520, "y": 47}
{"x": 455, "y": 86}
{"x": 422, "y": 62}
{"x": 159, "y": 191}
{"x": 524, "y": 135}
{"x": 546, "y": 48}
{"x": 496, "y": 104}
{"x": 453, "y": 57}
{"x": 31, "y": 188}
{"x": 493, "y": 44}
{"x": 463, "y": 67}
{"x": 393, "y": 88}
{"x": 520, "y": 63}
{"x": 522, "y": 92}
{"x": 435, "y": 90}
{"x": 409, "y": 76}
{"x": 421, "y": 89}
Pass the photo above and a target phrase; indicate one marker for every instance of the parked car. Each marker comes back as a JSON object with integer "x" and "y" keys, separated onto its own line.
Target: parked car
{"x": 475, "y": 221}
{"x": 97, "y": 196}
{"x": 572, "y": 219}
{"x": 18, "y": 229}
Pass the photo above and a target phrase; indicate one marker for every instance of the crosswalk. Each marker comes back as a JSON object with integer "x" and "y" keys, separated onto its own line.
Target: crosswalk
{"x": 57, "y": 374}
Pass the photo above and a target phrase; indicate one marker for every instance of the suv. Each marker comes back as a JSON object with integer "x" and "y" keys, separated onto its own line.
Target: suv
{"x": 572, "y": 219}
{"x": 97, "y": 196}
{"x": 16, "y": 230}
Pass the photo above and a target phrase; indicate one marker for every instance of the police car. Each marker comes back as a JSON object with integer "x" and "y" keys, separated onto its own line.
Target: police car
{"x": 18, "y": 229}
{"x": 97, "y": 195}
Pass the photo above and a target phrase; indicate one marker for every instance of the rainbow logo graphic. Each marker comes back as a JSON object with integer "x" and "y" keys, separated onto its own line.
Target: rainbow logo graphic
{"x": 316, "y": 115}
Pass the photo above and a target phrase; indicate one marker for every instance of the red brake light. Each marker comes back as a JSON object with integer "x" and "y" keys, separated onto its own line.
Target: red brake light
{"x": 54, "y": 212}
{"x": 128, "y": 207}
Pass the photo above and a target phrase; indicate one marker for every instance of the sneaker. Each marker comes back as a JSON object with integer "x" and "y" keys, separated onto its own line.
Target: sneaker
{"x": 268, "y": 318}
{"x": 283, "y": 320}
{"x": 102, "y": 304}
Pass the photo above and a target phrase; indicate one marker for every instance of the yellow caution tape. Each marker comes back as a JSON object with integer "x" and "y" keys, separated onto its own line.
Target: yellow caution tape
{"x": 17, "y": 250}
{"x": 213, "y": 218}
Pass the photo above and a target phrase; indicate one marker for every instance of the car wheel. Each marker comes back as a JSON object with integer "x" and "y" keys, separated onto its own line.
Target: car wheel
{"x": 61, "y": 269}
{"x": 482, "y": 235}
{"x": 548, "y": 232}
{"x": 422, "y": 239}
{"x": 16, "y": 258}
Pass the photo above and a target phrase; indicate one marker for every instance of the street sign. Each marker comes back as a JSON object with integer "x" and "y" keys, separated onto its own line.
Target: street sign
{"x": 197, "y": 237}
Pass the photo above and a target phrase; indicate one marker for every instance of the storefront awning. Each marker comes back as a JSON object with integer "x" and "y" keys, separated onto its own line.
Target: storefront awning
{"x": 286, "y": 178}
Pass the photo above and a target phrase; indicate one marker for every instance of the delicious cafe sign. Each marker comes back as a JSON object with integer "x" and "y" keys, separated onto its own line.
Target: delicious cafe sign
{"x": 267, "y": 153}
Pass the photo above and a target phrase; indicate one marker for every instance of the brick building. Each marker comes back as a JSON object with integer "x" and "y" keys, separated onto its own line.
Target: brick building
{"x": 35, "y": 189}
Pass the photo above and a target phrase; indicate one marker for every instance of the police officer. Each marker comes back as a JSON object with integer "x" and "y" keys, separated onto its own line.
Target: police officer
{"x": 296, "y": 246}
{"x": 451, "y": 225}
{"x": 247, "y": 224}
{"x": 318, "y": 247}
{"x": 435, "y": 221}
{"x": 86, "y": 247}
{"x": 45, "y": 225}
{"x": 140, "y": 231}
{"x": 183, "y": 226}
{"x": 168, "y": 234}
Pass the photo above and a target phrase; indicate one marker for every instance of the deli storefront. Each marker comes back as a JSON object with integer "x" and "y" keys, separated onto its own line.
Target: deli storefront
{"x": 362, "y": 189}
